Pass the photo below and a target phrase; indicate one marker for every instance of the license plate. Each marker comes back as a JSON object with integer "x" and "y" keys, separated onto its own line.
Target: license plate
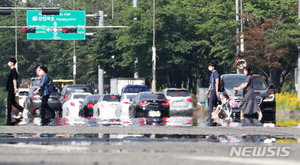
{"x": 154, "y": 113}
{"x": 179, "y": 104}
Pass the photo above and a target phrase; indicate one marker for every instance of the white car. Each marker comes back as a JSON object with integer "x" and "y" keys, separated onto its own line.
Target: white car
{"x": 181, "y": 102}
{"x": 23, "y": 93}
{"x": 123, "y": 108}
{"x": 72, "y": 106}
{"x": 106, "y": 107}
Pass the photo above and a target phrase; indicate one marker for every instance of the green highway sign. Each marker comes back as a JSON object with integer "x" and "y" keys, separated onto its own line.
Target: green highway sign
{"x": 49, "y": 27}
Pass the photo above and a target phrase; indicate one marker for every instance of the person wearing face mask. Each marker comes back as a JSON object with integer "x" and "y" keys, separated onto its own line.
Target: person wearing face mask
{"x": 213, "y": 92}
{"x": 12, "y": 88}
{"x": 44, "y": 92}
{"x": 249, "y": 106}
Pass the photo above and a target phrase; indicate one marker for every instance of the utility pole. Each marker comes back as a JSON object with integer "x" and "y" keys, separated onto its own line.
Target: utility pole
{"x": 74, "y": 56}
{"x": 112, "y": 8}
{"x": 16, "y": 36}
{"x": 297, "y": 70}
{"x": 100, "y": 80}
{"x": 242, "y": 35}
{"x": 153, "y": 52}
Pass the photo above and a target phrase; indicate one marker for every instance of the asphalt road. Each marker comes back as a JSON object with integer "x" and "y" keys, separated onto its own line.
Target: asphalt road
{"x": 144, "y": 145}
{"x": 295, "y": 131}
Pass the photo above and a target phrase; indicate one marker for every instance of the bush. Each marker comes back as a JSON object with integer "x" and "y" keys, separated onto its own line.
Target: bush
{"x": 287, "y": 101}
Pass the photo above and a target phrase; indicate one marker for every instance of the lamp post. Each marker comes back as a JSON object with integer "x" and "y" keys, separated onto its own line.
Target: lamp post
{"x": 153, "y": 52}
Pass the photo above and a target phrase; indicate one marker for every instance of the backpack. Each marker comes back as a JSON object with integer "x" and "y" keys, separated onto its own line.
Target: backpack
{"x": 51, "y": 87}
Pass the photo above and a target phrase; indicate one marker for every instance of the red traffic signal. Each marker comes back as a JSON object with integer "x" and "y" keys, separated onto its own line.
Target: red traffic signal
{"x": 69, "y": 30}
{"x": 28, "y": 30}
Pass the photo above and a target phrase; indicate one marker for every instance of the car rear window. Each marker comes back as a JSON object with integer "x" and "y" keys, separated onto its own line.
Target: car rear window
{"x": 93, "y": 99}
{"x": 153, "y": 96}
{"x": 178, "y": 93}
{"x": 135, "y": 89}
{"x": 79, "y": 96}
{"x": 23, "y": 93}
{"x": 112, "y": 98}
{"x": 73, "y": 89}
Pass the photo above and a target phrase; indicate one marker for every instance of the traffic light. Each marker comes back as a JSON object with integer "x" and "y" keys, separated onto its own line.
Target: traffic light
{"x": 69, "y": 30}
{"x": 50, "y": 11}
{"x": 5, "y": 11}
{"x": 28, "y": 30}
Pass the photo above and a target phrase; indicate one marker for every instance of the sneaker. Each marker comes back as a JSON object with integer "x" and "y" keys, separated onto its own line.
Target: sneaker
{"x": 19, "y": 116}
{"x": 23, "y": 122}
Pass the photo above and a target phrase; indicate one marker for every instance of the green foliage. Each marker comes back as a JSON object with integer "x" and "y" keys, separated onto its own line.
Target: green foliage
{"x": 189, "y": 35}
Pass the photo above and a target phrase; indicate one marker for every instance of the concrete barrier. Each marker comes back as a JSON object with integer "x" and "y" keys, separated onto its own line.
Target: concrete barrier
{"x": 288, "y": 114}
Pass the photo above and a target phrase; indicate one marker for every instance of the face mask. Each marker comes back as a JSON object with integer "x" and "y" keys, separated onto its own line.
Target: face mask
{"x": 9, "y": 64}
{"x": 41, "y": 72}
{"x": 210, "y": 68}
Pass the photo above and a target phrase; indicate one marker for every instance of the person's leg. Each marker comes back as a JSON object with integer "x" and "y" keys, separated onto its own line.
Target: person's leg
{"x": 211, "y": 104}
{"x": 15, "y": 104}
{"x": 260, "y": 115}
{"x": 9, "y": 104}
{"x": 43, "y": 108}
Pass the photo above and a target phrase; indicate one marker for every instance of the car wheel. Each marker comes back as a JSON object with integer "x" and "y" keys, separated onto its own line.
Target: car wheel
{"x": 98, "y": 112}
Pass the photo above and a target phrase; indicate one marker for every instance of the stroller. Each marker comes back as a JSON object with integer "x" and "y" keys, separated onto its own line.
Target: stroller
{"x": 223, "y": 114}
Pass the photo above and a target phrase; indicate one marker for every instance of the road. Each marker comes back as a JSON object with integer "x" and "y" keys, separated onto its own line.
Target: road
{"x": 144, "y": 145}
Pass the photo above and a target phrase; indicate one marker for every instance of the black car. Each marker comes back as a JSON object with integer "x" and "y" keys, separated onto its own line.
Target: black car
{"x": 87, "y": 106}
{"x": 68, "y": 89}
{"x": 264, "y": 95}
{"x": 33, "y": 103}
{"x": 150, "y": 104}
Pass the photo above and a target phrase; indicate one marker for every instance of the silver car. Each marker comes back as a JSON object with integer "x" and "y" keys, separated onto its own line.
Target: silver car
{"x": 181, "y": 102}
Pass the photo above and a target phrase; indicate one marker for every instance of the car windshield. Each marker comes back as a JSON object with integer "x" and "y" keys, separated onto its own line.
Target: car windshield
{"x": 153, "y": 96}
{"x": 259, "y": 83}
{"x": 79, "y": 96}
{"x": 112, "y": 98}
{"x": 233, "y": 81}
{"x": 178, "y": 93}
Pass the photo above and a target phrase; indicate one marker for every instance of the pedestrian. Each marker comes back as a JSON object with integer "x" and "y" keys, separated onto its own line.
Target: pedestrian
{"x": 12, "y": 88}
{"x": 213, "y": 92}
{"x": 249, "y": 106}
{"x": 44, "y": 93}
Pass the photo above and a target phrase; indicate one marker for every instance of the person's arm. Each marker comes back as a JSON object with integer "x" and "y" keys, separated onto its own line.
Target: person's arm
{"x": 217, "y": 87}
{"x": 242, "y": 86}
{"x": 37, "y": 90}
{"x": 15, "y": 85}
{"x": 207, "y": 92}
{"x": 40, "y": 86}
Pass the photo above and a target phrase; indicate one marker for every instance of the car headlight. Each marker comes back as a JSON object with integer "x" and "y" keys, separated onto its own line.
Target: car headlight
{"x": 269, "y": 98}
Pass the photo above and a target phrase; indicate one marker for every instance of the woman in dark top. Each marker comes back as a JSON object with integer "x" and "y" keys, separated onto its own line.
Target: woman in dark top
{"x": 249, "y": 106}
